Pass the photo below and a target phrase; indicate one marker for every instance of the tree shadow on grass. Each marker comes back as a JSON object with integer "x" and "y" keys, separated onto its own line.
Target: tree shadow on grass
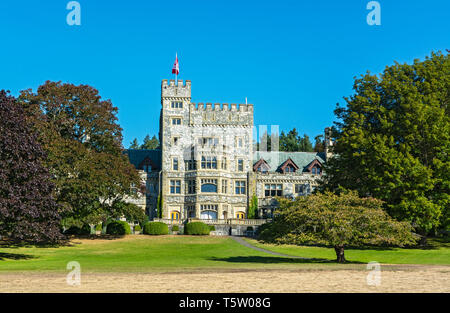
{"x": 15, "y": 256}
{"x": 277, "y": 260}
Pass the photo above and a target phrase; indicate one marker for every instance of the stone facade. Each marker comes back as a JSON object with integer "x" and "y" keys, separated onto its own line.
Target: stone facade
{"x": 205, "y": 168}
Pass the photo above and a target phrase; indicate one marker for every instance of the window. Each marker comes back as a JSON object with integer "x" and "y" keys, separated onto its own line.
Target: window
{"x": 239, "y": 142}
{"x": 289, "y": 169}
{"x": 209, "y": 185}
{"x": 177, "y": 105}
{"x": 224, "y": 186}
{"x": 175, "y": 215}
{"x": 147, "y": 168}
{"x": 209, "y": 162}
{"x": 208, "y": 207}
{"x": 175, "y": 141}
{"x": 175, "y": 186}
{"x": 240, "y": 165}
{"x": 191, "y": 165}
{"x": 299, "y": 188}
{"x": 240, "y": 187}
{"x": 190, "y": 188}
{"x": 272, "y": 190}
{"x": 224, "y": 163}
{"x": 262, "y": 168}
{"x": 208, "y": 141}
{"x": 176, "y": 121}
{"x": 316, "y": 170}
{"x": 175, "y": 164}
{"x": 240, "y": 215}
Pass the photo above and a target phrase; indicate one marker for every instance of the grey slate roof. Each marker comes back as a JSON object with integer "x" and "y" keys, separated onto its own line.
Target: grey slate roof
{"x": 276, "y": 158}
{"x": 136, "y": 156}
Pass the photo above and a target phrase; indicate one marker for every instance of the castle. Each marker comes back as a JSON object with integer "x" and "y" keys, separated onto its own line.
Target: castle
{"x": 208, "y": 168}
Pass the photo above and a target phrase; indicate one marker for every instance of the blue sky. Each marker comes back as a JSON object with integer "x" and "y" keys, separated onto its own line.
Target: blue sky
{"x": 294, "y": 60}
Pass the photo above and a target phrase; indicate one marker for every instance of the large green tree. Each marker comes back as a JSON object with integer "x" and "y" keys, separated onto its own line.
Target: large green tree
{"x": 393, "y": 141}
{"x": 28, "y": 210}
{"x": 338, "y": 221}
{"x": 80, "y": 133}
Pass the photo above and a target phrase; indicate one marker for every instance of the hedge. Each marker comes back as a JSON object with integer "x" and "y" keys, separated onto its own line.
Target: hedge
{"x": 175, "y": 228}
{"x": 196, "y": 228}
{"x": 212, "y": 228}
{"x": 118, "y": 228}
{"x": 156, "y": 228}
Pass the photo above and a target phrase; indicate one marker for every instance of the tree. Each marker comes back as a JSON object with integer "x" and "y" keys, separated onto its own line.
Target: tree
{"x": 150, "y": 144}
{"x": 293, "y": 142}
{"x": 319, "y": 146}
{"x": 28, "y": 211}
{"x": 80, "y": 134}
{"x": 337, "y": 221}
{"x": 393, "y": 141}
{"x": 134, "y": 144}
{"x": 253, "y": 208}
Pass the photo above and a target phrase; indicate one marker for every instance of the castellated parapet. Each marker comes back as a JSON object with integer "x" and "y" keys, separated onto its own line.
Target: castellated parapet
{"x": 180, "y": 90}
{"x": 221, "y": 114}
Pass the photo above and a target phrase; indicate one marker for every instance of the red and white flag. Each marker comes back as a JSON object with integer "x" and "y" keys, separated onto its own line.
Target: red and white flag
{"x": 176, "y": 66}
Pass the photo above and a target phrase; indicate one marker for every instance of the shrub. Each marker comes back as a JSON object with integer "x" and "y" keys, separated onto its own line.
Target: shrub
{"x": 75, "y": 230}
{"x": 118, "y": 228}
{"x": 137, "y": 228}
{"x": 98, "y": 227}
{"x": 156, "y": 228}
{"x": 175, "y": 228}
{"x": 85, "y": 230}
{"x": 196, "y": 228}
{"x": 249, "y": 228}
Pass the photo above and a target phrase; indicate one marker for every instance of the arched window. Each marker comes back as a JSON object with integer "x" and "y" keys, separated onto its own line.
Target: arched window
{"x": 209, "y": 185}
{"x": 175, "y": 215}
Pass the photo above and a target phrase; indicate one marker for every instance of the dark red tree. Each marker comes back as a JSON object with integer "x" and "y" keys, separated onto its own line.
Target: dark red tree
{"x": 28, "y": 211}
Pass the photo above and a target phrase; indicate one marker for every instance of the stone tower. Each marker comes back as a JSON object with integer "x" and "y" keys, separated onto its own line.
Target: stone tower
{"x": 206, "y": 155}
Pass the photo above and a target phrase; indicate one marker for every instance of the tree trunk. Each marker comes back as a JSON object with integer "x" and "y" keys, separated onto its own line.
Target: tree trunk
{"x": 340, "y": 258}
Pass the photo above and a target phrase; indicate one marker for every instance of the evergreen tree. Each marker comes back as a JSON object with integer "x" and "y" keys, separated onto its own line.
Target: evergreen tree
{"x": 134, "y": 144}
{"x": 393, "y": 141}
{"x": 150, "y": 144}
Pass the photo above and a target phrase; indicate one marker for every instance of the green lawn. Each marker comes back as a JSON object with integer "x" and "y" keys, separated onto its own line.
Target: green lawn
{"x": 436, "y": 252}
{"x": 140, "y": 254}
{"x": 189, "y": 253}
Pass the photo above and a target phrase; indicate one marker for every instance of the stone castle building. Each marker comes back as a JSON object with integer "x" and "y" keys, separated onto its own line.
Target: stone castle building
{"x": 207, "y": 166}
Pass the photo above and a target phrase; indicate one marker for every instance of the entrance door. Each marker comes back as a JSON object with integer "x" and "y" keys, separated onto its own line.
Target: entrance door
{"x": 175, "y": 215}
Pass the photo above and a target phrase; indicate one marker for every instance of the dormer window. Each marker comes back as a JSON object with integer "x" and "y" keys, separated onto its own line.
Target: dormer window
{"x": 147, "y": 165}
{"x": 315, "y": 167}
{"x": 288, "y": 167}
{"x": 261, "y": 166}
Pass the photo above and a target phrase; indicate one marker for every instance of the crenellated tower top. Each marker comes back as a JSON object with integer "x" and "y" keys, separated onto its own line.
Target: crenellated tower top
{"x": 171, "y": 90}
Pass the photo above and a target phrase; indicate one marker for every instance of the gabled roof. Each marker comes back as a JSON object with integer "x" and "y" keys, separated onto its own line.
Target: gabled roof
{"x": 137, "y": 157}
{"x": 311, "y": 165}
{"x": 275, "y": 158}
{"x": 259, "y": 163}
{"x": 287, "y": 163}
